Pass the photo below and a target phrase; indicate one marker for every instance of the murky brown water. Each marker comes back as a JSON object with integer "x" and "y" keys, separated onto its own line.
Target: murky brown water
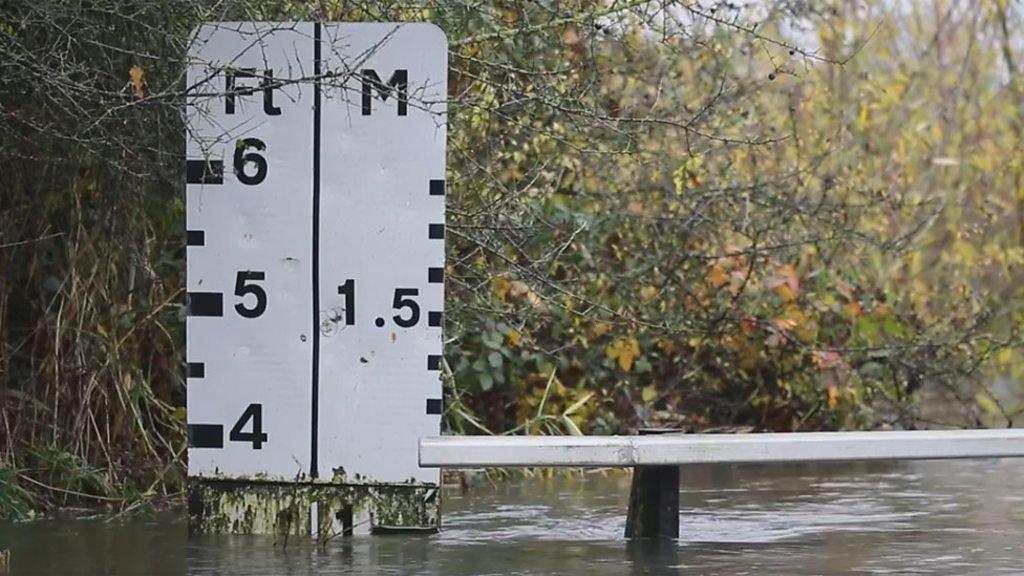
{"x": 964, "y": 517}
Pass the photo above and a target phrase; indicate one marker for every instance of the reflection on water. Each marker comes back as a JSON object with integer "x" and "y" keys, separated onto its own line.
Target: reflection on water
{"x": 964, "y": 517}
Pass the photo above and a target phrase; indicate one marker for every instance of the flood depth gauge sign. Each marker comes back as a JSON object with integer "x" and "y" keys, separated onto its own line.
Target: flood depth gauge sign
{"x": 315, "y": 213}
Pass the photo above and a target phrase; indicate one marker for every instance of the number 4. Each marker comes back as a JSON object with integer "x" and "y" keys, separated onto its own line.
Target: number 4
{"x": 255, "y": 413}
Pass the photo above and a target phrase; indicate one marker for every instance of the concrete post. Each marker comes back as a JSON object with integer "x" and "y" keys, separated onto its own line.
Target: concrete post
{"x": 654, "y": 499}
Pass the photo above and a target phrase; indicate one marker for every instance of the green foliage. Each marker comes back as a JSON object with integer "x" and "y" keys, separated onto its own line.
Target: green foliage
{"x": 15, "y": 501}
{"x": 67, "y": 472}
{"x": 718, "y": 228}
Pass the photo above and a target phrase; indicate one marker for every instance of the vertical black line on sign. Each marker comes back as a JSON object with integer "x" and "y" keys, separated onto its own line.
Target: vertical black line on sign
{"x": 315, "y": 407}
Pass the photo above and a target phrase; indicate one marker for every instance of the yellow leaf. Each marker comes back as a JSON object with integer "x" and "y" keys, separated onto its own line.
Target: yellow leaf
{"x": 785, "y": 292}
{"x": 630, "y": 354}
{"x": 179, "y": 414}
{"x": 845, "y": 289}
{"x": 667, "y": 347}
{"x": 624, "y": 351}
{"x": 786, "y": 283}
{"x": 748, "y": 324}
{"x": 501, "y": 286}
{"x": 649, "y": 393}
{"x": 135, "y": 73}
{"x": 518, "y": 288}
{"x": 833, "y": 396}
{"x": 785, "y": 323}
{"x": 570, "y": 37}
{"x": 687, "y": 175}
{"x": 513, "y": 337}
{"x": 730, "y": 343}
{"x": 863, "y": 118}
{"x": 986, "y": 404}
{"x": 717, "y": 276}
{"x": 648, "y": 292}
{"x": 851, "y": 311}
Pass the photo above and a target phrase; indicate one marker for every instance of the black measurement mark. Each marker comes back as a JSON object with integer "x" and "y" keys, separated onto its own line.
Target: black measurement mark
{"x": 434, "y": 406}
{"x": 437, "y": 187}
{"x": 195, "y": 238}
{"x": 435, "y": 231}
{"x": 434, "y": 362}
{"x": 205, "y": 304}
{"x": 435, "y": 319}
{"x": 195, "y": 370}
{"x": 204, "y": 171}
{"x": 205, "y": 436}
{"x": 315, "y": 401}
{"x": 435, "y": 275}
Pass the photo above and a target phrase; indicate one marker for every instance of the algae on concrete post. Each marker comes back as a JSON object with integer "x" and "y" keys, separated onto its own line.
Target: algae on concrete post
{"x": 320, "y": 508}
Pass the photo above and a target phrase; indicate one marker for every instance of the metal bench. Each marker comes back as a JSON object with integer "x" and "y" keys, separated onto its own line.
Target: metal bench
{"x": 657, "y": 455}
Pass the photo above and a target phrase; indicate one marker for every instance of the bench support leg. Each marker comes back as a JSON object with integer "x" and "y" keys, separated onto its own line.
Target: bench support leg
{"x": 654, "y": 503}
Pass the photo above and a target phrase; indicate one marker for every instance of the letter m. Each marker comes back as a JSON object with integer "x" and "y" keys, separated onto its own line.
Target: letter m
{"x": 399, "y": 83}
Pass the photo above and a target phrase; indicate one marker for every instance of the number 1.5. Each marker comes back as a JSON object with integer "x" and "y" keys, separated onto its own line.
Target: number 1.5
{"x": 403, "y": 301}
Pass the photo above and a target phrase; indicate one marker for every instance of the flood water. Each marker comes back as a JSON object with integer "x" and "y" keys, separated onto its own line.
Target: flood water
{"x": 962, "y": 517}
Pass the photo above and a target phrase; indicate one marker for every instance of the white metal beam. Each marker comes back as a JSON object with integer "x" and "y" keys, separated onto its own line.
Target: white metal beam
{"x": 671, "y": 449}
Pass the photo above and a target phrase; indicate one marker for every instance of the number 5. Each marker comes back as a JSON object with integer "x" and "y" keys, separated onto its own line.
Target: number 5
{"x": 402, "y": 302}
{"x": 242, "y": 288}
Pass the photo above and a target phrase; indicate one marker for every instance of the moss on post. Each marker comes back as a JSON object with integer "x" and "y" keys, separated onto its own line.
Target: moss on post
{"x": 284, "y": 509}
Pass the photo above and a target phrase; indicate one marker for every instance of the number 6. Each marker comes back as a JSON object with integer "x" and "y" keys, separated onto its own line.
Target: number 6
{"x": 242, "y": 157}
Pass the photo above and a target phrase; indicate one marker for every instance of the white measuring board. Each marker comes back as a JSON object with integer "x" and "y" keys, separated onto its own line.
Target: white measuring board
{"x": 315, "y": 213}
